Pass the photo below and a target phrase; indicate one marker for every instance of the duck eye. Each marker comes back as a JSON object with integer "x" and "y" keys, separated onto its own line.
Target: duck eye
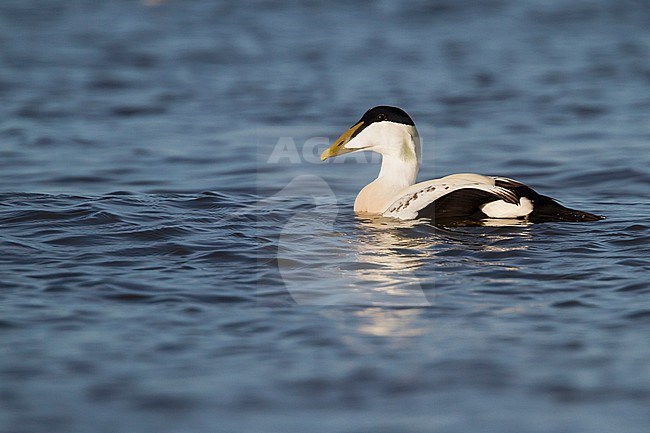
{"x": 381, "y": 117}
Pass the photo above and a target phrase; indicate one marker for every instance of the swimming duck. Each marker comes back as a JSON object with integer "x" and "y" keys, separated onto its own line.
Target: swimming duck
{"x": 391, "y": 132}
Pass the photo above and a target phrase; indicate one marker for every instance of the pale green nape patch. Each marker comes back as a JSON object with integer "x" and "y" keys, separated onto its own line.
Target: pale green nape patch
{"x": 410, "y": 149}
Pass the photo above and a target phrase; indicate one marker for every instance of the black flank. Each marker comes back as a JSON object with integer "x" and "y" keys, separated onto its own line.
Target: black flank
{"x": 457, "y": 205}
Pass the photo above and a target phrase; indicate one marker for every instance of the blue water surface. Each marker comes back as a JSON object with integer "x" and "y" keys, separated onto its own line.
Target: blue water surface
{"x": 175, "y": 258}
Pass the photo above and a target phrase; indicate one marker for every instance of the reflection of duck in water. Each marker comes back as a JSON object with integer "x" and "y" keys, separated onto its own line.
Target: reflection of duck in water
{"x": 370, "y": 269}
{"x": 390, "y": 132}
{"x": 385, "y": 260}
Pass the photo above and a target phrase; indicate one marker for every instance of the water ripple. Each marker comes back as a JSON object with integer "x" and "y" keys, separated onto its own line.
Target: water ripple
{"x": 160, "y": 260}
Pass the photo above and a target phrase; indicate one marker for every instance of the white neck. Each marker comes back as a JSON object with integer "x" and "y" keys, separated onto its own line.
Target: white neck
{"x": 399, "y": 169}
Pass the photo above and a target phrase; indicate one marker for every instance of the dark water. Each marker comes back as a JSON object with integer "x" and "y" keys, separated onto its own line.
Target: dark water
{"x": 174, "y": 259}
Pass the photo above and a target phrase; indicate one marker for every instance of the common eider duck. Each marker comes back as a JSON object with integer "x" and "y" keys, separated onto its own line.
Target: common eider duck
{"x": 391, "y": 132}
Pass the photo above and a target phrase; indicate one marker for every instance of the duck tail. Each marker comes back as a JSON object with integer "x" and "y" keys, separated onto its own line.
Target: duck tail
{"x": 548, "y": 210}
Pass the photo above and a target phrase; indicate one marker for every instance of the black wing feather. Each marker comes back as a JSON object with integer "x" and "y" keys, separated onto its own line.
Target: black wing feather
{"x": 545, "y": 209}
{"x": 460, "y": 204}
